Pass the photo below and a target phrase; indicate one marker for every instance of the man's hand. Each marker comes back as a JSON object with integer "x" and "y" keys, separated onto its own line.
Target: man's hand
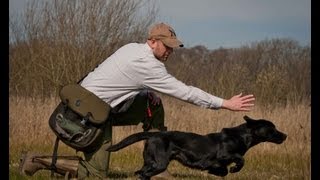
{"x": 239, "y": 103}
{"x": 155, "y": 100}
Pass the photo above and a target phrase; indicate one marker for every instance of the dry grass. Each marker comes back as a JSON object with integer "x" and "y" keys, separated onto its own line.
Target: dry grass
{"x": 29, "y": 130}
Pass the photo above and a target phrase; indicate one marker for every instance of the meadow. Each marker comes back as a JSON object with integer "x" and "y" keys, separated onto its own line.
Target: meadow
{"x": 29, "y": 131}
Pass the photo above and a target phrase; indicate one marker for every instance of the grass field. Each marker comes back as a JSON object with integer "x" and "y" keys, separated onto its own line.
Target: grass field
{"x": 29, "y": 130}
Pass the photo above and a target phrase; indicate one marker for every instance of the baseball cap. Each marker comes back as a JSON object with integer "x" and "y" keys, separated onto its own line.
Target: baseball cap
{"x": 166, "y": 34}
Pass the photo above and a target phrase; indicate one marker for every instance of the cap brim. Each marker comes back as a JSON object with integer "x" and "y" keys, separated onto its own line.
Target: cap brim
{"x": 172, "y": 42}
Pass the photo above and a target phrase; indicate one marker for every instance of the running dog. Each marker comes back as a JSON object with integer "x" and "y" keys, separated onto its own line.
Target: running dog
{"x": 212, "y": 152}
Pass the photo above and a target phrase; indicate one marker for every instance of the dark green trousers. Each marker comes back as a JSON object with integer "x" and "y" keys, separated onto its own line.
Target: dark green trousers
{"x": 96, "y": 164}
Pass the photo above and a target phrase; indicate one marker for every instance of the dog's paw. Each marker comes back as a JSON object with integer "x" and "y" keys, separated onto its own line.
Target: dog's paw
{"x": 234, "y": 169}
{"x": 139, "y": 172}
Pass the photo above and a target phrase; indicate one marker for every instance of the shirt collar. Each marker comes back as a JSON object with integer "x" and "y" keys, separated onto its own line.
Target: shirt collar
{"x": 149, "y": 50}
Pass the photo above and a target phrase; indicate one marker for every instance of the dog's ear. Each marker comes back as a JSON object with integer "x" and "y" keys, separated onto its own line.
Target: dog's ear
{"x": 248, "y": 119}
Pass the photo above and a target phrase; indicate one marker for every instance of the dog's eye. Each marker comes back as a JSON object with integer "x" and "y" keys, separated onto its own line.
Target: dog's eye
{"x": 271, "y": 131}
{"x": 266, "y": 131}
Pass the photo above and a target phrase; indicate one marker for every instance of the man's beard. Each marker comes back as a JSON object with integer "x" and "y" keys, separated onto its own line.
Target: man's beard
{"x": 162, "y": 59}
{"x": 165, "y": 59}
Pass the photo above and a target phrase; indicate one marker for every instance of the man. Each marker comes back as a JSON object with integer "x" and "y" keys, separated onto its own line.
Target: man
{"x": 127, "y": 81}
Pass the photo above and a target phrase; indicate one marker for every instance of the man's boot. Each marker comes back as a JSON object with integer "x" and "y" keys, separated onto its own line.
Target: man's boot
{"x": 30, "y": 163}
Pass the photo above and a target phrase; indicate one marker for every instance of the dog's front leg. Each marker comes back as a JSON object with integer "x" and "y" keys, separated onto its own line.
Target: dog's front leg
{"x": 238, "y": 159}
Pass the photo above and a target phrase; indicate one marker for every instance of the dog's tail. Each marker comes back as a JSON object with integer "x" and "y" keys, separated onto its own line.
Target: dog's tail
{"x": 130, "y": 140}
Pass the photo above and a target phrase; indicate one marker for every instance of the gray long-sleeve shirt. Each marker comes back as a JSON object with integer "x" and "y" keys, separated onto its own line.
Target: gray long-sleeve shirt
{"x": 133, "y": 68}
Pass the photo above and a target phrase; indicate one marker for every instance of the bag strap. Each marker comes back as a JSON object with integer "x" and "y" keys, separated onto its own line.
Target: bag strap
{"x": 54, "y": 157}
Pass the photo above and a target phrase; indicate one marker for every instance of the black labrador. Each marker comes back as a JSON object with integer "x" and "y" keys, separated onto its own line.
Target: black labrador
{"x": 212, "y": 152}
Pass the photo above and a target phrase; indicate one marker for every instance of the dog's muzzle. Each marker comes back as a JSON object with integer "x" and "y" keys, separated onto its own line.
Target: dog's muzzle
{"x": 280, "y": 138}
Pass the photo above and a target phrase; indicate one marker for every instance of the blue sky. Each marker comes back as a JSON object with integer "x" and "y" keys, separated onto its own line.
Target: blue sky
{"x": 231, "y": 23}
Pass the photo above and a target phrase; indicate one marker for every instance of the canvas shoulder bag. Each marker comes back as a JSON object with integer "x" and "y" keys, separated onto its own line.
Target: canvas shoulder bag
{"x": 79, "y": 119}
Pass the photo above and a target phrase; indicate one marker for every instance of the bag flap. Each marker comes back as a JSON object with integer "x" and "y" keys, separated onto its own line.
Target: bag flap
{"x": 85, "y": 103}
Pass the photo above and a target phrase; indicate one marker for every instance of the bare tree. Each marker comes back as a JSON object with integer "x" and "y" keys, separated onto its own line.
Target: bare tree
{"x": 57, "y": 42}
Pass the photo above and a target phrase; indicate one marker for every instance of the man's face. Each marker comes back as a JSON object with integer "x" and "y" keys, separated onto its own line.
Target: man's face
{"x": 160, "y": 50}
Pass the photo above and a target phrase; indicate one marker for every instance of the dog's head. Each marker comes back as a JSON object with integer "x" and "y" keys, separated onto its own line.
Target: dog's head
{"x": 264, "y": 130}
